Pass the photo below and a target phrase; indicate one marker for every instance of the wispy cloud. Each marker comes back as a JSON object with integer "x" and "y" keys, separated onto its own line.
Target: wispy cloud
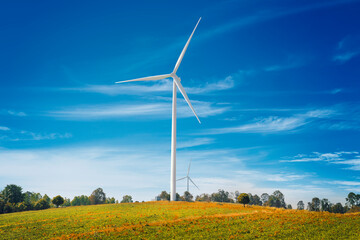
{"x": 155, "y": 86}
{"x": 2, "y": 128}
{"x": 22, "y": 135}
{"x": 151, "y": 110}
{"x": 344, "y": 57}
{"x": 347, "y": 49}
{"x": 12, "y": 112}
{"x": 273, "y": 177}
{"x": 195, "y": 142}
{"x": 351, "y": 159}
{"x": 290, "y": 64}
{"x": 275, "y": 124}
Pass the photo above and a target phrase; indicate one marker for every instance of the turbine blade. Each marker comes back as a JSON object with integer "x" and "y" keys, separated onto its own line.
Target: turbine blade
{"x": 189, "y": 168}
{"x": 151, "y": 78}
{"x": 181, "y": 179}
{"x": 184, "y": 50}
{"x": 182, "y": 90}
{"x": 194, "y": 183}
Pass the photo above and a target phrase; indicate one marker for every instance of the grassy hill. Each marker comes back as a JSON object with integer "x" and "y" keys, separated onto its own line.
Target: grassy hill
{"x": 154, "y": 220}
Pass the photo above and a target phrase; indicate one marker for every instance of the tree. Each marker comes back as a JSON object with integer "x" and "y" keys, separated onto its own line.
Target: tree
{"x": 110, "y": 200}
{"x": 67, "y": 202}
{"x": 244, "y": 198}
{"x": 97, "y": 197}
{"x": 203, "y": 198}
{"x": 315, "y": 204}
{"x": 353, "y": 199}
{"x": 2, "y": 205}
{"x": 289, "y": 206}
{"x": 75, "y": 201}
{"x": 42, "y": 204}
{"x": 300, "y": 205}
{"x": 164, "y": 196}
{"x": 24, "y": 206}
{"x": 127, "y": 199}
{"x": 337, "y": 208}
{"x": 255, "y": 200}
{"x": 13, "y": 194}
{"x": 325, "y": 205}
{"x": 46, "y": 198}
{"x": 309, "y": 207}
{"x": 188, "y": 197}
{"x": 264, "y": 199}
{"x": 280, "y": 200}
{"x": 58, "y": 200}
{"x": 220, "y": 196}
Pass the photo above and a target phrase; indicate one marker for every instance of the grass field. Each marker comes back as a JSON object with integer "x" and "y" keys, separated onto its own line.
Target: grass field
{"x": 154, "y": 220}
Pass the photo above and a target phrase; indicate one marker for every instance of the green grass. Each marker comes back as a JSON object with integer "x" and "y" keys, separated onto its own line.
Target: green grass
{"x": 154, "y": 220}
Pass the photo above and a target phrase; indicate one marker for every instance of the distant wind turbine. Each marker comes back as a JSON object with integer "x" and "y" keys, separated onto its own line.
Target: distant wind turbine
{"x": 188, "y": 178}
{"x": 176, "y": 84}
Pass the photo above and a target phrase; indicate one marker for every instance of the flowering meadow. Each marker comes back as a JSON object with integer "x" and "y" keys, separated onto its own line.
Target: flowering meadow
{"x": 182, "y": 220}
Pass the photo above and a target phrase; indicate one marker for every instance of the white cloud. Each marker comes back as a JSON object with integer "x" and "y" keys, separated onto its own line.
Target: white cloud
{"x": 22, "y": 135}
{"x": 2, "y": 128}
{"x": 195, "y": 142}
{"x": 151, "y": 110}
{"x": 12, "y": 112}
{"x": 164, "y": 85}
{"x": 349, "y": 158}
{"x": 275, "y": 124}
{"x": 273, "y": 177}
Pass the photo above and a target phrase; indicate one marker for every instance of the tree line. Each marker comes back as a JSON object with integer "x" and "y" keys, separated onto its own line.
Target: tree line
{"x": 276, "y": 199}
{"x": 12, "y": 199}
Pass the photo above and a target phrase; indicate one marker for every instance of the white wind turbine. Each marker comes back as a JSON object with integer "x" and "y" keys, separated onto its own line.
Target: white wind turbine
{"x": 188, "y": 178}
{"x": 176, "y": 84}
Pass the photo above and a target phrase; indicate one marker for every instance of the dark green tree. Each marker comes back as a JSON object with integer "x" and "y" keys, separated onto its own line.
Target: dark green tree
{"x": 58, "y": 200}
{"x": 97, "y": 197}
{"x": 13, "y": 194}
{"x": 127, "y": 199}
{"x": 337, "y": 208}
{"x": 244, "y": 198}
{"x": 315, "y": 204}
{"x": 289, "y": 206}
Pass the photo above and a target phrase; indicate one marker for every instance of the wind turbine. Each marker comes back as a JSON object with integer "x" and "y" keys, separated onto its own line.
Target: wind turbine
{"x": 176, "y": 84}
{"x": 188, "y": 178}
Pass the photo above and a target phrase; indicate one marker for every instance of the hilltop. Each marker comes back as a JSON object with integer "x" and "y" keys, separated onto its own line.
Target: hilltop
{"x": 154, "y": 220}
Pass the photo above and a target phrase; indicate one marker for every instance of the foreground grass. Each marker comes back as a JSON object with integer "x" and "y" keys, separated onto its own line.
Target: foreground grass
{"x": 154, "y": 220}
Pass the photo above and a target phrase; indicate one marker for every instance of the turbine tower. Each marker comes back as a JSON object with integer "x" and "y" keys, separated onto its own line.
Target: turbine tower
{"x": 176, "y": 84}
{"x": 188, "y": 178}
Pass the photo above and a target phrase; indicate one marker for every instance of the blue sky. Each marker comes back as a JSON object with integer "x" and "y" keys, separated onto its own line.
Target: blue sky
{"x": 275, "y": 84}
